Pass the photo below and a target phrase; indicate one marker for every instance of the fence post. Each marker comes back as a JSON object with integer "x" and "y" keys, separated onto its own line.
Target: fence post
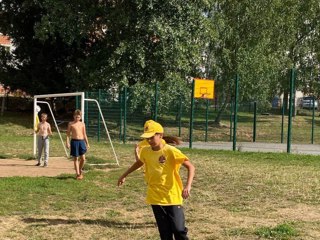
{"x": 292, "y": 76}
{"x": 312, "y": 129}
{"x": 191, "y": 115}
{"x": 3, "y": 103}
{"x": 121, "y": 113}
{"x": 254, "y": 121}
{"x": 99, "y": 101}
{"x": 231, "y": 121}
{"x": 207, "y": 116}
{"x": 86, "y": 107}
{"x": 235, "y": 117}
{"x": 77, "y": 102}
{"x": 282, "y": 121}
{"x": 125, "y": 115}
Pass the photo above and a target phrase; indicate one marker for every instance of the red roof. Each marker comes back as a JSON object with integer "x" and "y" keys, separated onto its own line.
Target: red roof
{"x": 4, "y": 40}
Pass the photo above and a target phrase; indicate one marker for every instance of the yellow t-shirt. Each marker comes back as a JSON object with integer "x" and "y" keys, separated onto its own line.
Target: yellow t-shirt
{"x": 164, "y": 185}
{"x": 145, "y": 143}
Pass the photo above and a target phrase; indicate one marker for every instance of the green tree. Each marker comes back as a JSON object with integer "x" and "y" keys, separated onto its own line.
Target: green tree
{"x": 103, "y": 44}
{"x": 259, "y": 40}
{"x": 36, "y": 66}
{"x": 241, "y": 46}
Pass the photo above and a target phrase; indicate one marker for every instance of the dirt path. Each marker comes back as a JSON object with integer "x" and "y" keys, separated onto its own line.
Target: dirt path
{"x": 21, "y": 167}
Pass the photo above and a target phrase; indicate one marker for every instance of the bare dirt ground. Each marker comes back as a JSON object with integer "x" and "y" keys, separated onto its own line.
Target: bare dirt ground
{"x": 21, "y": 167}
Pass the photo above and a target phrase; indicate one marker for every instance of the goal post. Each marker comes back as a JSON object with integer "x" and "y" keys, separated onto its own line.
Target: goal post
{"x": 82, "y": 107}
{"x": 35, "y": 104}
{"x": 105, "y": 126}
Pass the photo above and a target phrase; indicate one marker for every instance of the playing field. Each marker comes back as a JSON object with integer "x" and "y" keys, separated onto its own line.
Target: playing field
{"x": 235, "y": 195}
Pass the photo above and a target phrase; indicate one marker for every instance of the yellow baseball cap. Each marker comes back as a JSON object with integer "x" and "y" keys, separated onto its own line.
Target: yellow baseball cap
{"x": 151, "y": 128}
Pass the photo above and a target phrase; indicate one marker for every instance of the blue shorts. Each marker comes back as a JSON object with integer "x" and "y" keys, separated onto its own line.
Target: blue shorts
{"x": 78, "y": 147}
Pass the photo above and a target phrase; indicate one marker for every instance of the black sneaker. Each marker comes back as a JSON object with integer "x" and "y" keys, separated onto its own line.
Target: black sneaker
{"x": 45, "y": 165}
{"x": 38, "y": 164}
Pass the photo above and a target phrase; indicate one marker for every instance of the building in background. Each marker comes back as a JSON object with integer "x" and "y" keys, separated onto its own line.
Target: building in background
{"x": 6, "y": 42}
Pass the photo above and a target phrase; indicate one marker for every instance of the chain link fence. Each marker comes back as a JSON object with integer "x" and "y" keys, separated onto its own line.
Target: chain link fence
{"x": 212, "y": 121}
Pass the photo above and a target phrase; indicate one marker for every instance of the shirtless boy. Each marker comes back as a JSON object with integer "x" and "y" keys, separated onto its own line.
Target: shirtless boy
{"x": 43, "y": 131}
{"x": 79, "y": 142}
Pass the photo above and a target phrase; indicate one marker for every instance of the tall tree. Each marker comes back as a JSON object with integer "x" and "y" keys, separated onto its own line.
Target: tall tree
{"x": 102, "y": 43}
{"x": 35, "y": 66}
{"x": 259, "y": 40}
{"x": 241, "y": 47}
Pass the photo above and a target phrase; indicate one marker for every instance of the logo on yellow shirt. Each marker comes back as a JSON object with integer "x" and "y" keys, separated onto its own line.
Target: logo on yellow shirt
{"x": 162, "y": 159}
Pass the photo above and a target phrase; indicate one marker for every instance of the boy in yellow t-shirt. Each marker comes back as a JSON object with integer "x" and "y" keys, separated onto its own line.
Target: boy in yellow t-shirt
{"x": 165, "y": 190}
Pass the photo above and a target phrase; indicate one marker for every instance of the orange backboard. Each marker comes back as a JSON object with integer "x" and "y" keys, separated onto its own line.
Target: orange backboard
{"x": 203, "y": 88}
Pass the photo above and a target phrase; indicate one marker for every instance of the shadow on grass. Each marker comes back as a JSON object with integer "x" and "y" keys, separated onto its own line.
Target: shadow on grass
{"x": 100, "y": 222}
{"x": 15, "y": 165}
{"x": 103, "y": 166}
{"x": 65, "y": 177}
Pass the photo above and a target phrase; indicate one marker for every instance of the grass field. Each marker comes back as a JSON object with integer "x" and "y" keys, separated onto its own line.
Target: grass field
{"x": 235, "y": 195}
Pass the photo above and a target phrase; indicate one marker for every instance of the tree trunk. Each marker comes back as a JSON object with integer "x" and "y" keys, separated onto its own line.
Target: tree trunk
{"x": 3, "y": 104}
{"x": 285, "y": 101}
{"x": 221, "y": 109}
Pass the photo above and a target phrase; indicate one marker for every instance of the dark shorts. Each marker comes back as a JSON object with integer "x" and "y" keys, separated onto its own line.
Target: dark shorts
{"x": 78, "y": 147}
{"x": 170, "y": 221}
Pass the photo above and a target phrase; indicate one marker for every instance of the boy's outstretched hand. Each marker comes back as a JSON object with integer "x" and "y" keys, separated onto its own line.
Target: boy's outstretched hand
{"x": 121, "y": 181}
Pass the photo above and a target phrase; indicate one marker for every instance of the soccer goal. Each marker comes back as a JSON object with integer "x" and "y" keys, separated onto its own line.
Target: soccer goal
{"x": 43, "y": 100}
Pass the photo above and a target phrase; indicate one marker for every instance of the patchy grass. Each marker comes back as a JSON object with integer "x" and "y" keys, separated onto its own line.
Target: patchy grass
{"x": 235, "y": 195}
{"x": 283, "y": 231}
{"x": 4, "y": 156}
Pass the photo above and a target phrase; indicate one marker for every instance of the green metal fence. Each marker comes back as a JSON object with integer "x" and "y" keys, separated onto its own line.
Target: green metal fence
{"x": 125, "y": 118}
{"x": 255, "y": 123}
